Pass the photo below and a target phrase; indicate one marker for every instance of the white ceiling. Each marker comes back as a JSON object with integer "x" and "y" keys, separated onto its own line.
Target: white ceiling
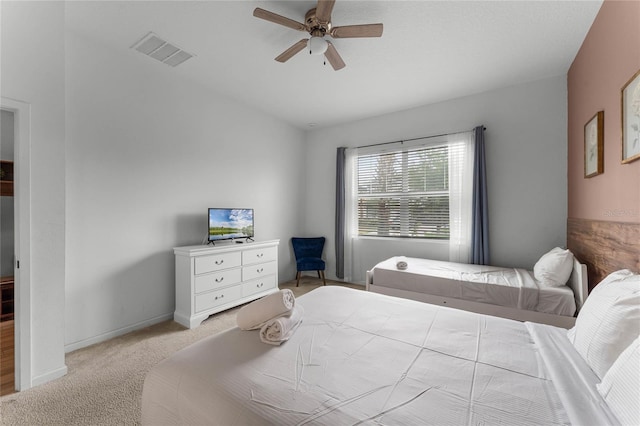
{"x": 430, "y": 50}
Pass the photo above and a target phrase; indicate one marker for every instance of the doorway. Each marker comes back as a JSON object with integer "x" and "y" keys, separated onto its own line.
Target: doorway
{"x": 17, "y": 261}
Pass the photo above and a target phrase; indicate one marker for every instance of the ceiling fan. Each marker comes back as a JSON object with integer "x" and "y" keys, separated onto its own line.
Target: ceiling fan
{"x": 317, "y": 22}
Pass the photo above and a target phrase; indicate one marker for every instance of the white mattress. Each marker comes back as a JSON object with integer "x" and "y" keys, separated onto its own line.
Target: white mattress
{"x": 510, "y": 287}
{"x": 360, "y": 357}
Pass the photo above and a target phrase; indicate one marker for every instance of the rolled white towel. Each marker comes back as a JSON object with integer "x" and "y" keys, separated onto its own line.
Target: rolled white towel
{"x": 257, "y": 313}
{"x": 279, "y": 330}
{"x": 401, "y": 263}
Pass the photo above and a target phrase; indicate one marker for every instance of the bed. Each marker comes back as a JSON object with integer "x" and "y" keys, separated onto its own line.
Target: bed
{"x": 366, "y": 358}
{"x": 505, "y": 292}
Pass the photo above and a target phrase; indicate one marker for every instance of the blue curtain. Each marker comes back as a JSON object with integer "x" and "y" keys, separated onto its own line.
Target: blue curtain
{"x": 340, "y": 212}
{"x": 480, "y": 215}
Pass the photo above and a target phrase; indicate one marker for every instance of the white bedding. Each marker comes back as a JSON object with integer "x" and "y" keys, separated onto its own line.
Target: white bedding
{"x": 360, "y": 357}
{"x": 510, "y": 287}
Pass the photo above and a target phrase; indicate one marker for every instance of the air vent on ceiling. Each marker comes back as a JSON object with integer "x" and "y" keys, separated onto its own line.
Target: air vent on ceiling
{"x": 161, "y": 50}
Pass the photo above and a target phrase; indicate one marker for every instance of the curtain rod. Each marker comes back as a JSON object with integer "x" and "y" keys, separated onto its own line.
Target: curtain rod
{"x": 412, "y": 139}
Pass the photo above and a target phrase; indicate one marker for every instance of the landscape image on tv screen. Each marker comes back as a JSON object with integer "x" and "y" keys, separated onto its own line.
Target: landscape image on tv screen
{"x": 225, "y": 224}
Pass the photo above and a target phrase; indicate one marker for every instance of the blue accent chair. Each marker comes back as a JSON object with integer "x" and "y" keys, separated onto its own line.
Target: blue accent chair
{"x": 308, "y": 252}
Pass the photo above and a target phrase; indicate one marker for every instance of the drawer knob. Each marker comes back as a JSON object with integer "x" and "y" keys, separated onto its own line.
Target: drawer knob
{"x": 219, "y": 262}
{"x": 259, "y": 270}
{"x": 260, "y": 255}
{"x": 219, "y": 280}
{"x": 219, "y": 297}
{"x": 259, "y": 285}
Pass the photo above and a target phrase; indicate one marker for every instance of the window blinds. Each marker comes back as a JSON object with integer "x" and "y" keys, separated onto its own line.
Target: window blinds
{"x": 405, "y": 193}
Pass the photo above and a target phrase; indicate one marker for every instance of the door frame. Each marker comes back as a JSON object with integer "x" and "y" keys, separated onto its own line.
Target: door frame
{"x": 22, "y": 235}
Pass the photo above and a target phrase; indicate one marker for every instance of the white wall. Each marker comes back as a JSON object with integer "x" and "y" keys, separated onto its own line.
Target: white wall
{"x": 147, "y": 153}
{"x": 526, "y": 148}
{"x": 33, "y": 72}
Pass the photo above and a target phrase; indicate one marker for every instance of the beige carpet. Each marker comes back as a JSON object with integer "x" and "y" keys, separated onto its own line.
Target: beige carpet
{"x": 104, "y": 382}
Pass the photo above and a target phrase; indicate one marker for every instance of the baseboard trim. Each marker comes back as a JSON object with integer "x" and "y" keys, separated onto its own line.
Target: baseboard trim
{"x": 51, "y": 375}
{"x": 115, "y": 333}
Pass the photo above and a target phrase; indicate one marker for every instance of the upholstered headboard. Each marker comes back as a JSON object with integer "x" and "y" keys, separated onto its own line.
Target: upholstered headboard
{"x": 604, "y": 246}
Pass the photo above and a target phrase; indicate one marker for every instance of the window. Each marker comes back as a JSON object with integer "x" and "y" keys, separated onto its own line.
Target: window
{"x": 420, "y": 190}
{"x": 404, "y": 193}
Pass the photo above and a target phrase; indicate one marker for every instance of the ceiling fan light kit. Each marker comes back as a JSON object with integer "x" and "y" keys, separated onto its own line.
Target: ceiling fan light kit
{"x": 318, "y": 25}
{"x": 317, "y": 45}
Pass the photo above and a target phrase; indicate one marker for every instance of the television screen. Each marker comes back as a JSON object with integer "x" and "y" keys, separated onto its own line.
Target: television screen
{"x": 226, "y": 224}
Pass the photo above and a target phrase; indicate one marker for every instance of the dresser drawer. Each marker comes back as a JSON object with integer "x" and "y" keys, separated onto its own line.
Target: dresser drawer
{"x": 259, "y": 270}
{"x": 217, "y": 279}
{"x": 258, "y": 285}
{"x": 260, "y": 255}
{"x": 215, "y": 298}
{"x": 217, "y": 262}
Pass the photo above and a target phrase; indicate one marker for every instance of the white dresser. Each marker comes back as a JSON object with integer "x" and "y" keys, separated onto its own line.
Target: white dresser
{"x": 211, "y": 279}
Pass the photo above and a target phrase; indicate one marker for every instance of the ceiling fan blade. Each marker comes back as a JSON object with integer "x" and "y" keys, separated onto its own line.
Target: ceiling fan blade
{"x": 323, "y": 10}
{"x": 278, "y": 19}
{"x": 333, "y": 57}
{"x": 351, "y": 31}
{"x": 287, "y": 54}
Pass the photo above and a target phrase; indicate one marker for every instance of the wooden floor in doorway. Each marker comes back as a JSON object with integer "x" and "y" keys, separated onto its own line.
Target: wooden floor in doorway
{"x": 7, "y": 358}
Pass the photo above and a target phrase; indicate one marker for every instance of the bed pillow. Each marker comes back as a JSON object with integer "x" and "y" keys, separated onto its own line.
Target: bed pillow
{"x": 609, "y": 320}
{"x": 620, "y": 387}
{"x": 554, "y": 268}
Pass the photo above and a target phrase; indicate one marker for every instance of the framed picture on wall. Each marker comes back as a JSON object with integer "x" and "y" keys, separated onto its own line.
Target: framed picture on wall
{"x": 631, "y": 119}
{"x": 594, "y": 146}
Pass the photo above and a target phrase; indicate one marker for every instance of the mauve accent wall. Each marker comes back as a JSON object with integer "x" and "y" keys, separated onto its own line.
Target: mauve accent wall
{"x": 608, "y": 58}
{"x": 604, "y": 211}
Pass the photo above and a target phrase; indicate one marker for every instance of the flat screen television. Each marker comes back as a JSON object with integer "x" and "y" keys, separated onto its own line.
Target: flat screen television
{"x": 229, "y": 224}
